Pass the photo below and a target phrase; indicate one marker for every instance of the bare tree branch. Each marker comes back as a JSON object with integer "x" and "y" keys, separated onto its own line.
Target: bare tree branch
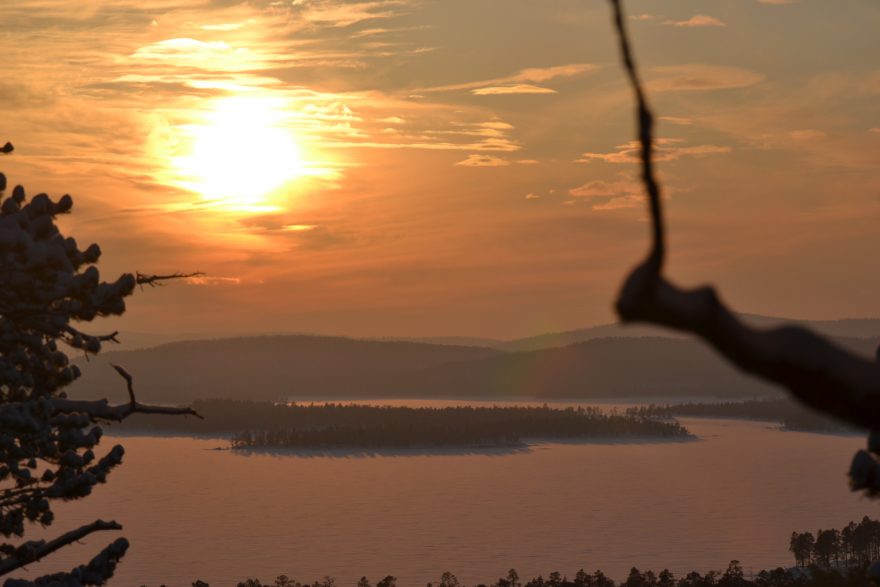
{"x": 816, "y": 371}
{"x": 35, "y": 550}
{"x": 156, "y": 280}
{"x": 646, "y": 139}
{"x": 128, "y": 380}
{"x": 102, "y": 410}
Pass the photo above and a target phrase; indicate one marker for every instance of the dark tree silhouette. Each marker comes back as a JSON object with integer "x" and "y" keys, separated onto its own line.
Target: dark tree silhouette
{"x": 812, "y": 368}
{"x": 48, "y": 286}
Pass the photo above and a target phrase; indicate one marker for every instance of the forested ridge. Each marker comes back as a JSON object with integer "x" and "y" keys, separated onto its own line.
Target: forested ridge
{"x": 831, "y": 558}
{"x": 856, "y": 544}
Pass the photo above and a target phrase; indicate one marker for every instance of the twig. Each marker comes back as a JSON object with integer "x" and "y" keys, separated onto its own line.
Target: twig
{"x": 143, "y": 279}
{"x": 128, "y": 380}
{"x": 815, "y": 370}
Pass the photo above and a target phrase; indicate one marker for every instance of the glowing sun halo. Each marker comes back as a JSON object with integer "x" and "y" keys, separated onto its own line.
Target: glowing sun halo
{"x": 239, "y": 154}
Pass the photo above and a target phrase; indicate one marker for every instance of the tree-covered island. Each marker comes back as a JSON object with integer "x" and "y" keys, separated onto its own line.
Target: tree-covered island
{"x": 258, "y": 425}
{"x": 791, "y": 415}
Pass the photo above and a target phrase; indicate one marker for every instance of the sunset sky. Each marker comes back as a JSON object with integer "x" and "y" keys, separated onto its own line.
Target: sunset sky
{"x": 448, "y": 167}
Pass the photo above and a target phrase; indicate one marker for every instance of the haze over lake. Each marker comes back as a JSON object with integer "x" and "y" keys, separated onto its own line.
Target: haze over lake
{"x": 736, "y": 493}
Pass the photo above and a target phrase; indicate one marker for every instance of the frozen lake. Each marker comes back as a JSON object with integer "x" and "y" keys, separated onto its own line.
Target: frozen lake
{"x": 736, "y": 493}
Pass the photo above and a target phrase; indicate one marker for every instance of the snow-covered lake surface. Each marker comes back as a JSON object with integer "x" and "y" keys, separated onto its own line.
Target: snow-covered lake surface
{"x": 736, "y": 493}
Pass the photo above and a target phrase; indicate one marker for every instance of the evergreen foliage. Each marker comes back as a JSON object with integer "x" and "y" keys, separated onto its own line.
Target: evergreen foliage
{"x": 48, "y": 286}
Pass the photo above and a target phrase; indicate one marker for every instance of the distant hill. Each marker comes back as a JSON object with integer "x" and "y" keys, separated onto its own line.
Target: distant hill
{"x": 474, "y": 341}
{"x": 569, "y": 337}
{"x": 268, "y": 367}
{"x": 851, "y": 328}
{"x": 847, "y": 328}
{"x": 599, "y": 368}
{"x": 318, "y": 368}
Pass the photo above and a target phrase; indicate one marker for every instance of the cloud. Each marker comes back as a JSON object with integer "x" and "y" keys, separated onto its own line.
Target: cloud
{"x": 532, "y": 196}
{"x": 641, "y": 17}
{"x": 212, "y": 280}
{"x": 666, "y": 150}
{"x": 611, "y": 195}
{"x": 534, "y": 75}
{"x": 226, "y": 26}
{"x": 681, "y": 120}
{"x": 699, "y": 20}
{"x": 343, "y": 14}
{"x": 474, "y": 160}
{"x": 777, "y": 1}
{"x": 875, "y": 129}
{"x": 696, "y": 77}
{"x": 432, "y": 129}
{"x": 516, "y": 89}
{"x": 807, "y": 134}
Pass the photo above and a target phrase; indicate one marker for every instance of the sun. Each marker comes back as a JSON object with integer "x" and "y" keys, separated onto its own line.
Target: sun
{"x": 239, "y": 154}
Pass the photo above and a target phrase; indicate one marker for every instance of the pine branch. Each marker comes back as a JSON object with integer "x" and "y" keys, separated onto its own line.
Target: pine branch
{"x": 35, "y": 550}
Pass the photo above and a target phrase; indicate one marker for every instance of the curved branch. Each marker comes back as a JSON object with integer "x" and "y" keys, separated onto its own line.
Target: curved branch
{"x": 35, "y": 550}
{"x": 815, "y": 370}
{"x": 101, "y": 337}
{"x": 128, "y": 380}
{"x": 645, "y": 122}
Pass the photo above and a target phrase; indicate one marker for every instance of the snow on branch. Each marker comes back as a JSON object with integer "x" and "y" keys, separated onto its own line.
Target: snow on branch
{"x": 48, "y": 283}
{"x": 36, "y": 549}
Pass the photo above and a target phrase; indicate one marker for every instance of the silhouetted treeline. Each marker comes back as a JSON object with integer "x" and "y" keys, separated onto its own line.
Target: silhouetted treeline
{"x": 360, "y": 426}
{"x": 733, "y": 576}
{"x": 855, "y": 544}
{"x": 791, "y": 415}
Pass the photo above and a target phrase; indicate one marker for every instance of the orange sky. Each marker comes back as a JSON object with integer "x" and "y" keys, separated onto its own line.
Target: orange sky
{"x": 448, "y": 167}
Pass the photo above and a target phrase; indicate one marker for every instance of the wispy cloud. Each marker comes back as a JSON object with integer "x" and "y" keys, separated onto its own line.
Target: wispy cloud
{"x": 680, "y": 120}
{"x": 515, "y": 89}
{"x": 534, "y": 75}
{"x": 610, "y": 195}
{"x": 475, "y": 160}
{"x": 808, "y": 134}
{"x": 698, "y": 20}
{"x": 667, "y": 150}
{"x": 212, "y": 280}
{"x": 701, "y": 78}
{"x": 433, "y": 130}
{"x": 343, "y": 14}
